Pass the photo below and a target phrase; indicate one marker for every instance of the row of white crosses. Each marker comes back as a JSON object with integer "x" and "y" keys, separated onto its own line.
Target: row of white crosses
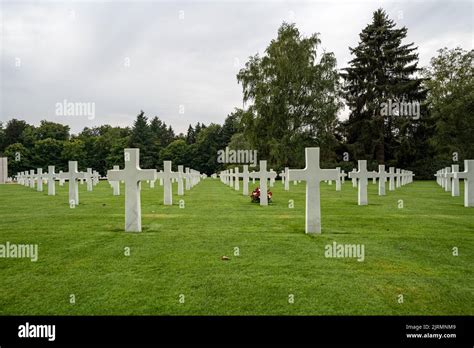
{"x": 312, "y": 174}
{"x": 448, "y": 179}
{"x": 232, "y": 177}
{"x": 30, "y": 179}
{"x": 285, "y": 180}
{"x": 132, "y": 176}
{"x": 397, "y": 178}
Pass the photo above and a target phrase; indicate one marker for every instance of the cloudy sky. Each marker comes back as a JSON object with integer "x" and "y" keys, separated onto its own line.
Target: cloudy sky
{"x": 178, "y": 60}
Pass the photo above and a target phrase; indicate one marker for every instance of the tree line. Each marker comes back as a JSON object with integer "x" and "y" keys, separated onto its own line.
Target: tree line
{"x": 292, "y": 95}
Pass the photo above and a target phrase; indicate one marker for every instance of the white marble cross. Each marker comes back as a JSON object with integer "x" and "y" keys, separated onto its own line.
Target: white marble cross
{"x": 468, "y": 176}
{"x": 338, "y": 180}
{"x": 89, "y": 177}
{"x": 180, "y": 181}
{"x": 132, "y": 174}
{"x": 263, "y": 177}
{"x": 313, "y": 175}
{"x": 438, "y": 177}
{"x": 226, "y": 176}
{"x": 237, "y": 179}
{"x": 287, "y": 180}
{"x": 454, "y": 181}
{"x": 442, "y": 179}
{"x": 231, "y": 177}
{"x": 188, "y": 179}
{"x": 398, "y": 176}
{"x": 95, "y": 177}
{"x": 245, "y": 180}
{"x": 362, "y": 175}
{"x": 272, "y": 179}
{"x": 115, "y": 184}
{"x": 72, "y": 176}
{"x": 51, "y": 176}
{"x": 391, "y": 175}
{"x": 166, "y": 175}
{"x": 382, "y": 176}
{"x": 447, "y": 179}
{"x": 61, "y": 180}
{"x": 32, "y": 178}
{"x": 19, "y": 178}
{"x": 354, "y": 179}
{"x": 160, "y": 176}
{"x": 39, "y": 180}
{"x": 222, "y": 176}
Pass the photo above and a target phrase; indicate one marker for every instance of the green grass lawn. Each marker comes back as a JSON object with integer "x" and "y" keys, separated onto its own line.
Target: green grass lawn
{"x": 408, "y": 251}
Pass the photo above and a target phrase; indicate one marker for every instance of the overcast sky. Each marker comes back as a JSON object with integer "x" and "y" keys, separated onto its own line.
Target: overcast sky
{"x": 178, "y": 60}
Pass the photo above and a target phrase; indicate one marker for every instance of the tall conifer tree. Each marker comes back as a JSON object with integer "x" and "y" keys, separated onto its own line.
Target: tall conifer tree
{"x": 383, "y": 68}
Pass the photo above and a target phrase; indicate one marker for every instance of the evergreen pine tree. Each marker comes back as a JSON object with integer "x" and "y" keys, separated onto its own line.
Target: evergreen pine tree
{"x": 142, "y": 138}
{"x": 190, "y": 137}
{"x": 383, "y": 68}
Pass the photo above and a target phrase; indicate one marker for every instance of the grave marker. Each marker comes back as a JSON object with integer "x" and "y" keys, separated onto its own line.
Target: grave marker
{"x": 313, "y": 175}
{"x": 39, "y": 180}
{"x": 245, "y": 180}
{"x": 72, "y": 176}
{"x": 362, "y": 176}
{"x": 51, "y": 177}
{"x": 166, "y": 175}
{"x": 263, "y": 176}
{"x": 468, "y": 176}
{"x": 132, "y": 174}
{"x": 180, "y": 181}
{"x": 382, "y": 175}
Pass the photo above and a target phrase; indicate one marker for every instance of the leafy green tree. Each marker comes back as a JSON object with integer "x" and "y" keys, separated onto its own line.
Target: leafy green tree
{"x": 2, "y": 138}
{"x": 177, "y": 152}
{"x": 52, "y": 130}
{"x": 74, "y": 150}
{"x": 203, "y": 154}
{"x": 292, "y": 96}
{"x": 116, "y": 154}
{"x": 239, "y": 142}
{"x": 47, "y": 152}
{"x": 13, "y": 132}
{"x": 18, "y": 158}
{"x": 28, "y": 136}
{"x": 232, "y": 125}
{"x": 450, "y": 82}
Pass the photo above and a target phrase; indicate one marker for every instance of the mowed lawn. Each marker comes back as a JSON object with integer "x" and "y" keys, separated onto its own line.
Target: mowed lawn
{"x": 408, "y": 251}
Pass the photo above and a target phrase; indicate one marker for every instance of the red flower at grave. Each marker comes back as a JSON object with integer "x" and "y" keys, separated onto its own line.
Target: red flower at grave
{"x": 255, "y": 196}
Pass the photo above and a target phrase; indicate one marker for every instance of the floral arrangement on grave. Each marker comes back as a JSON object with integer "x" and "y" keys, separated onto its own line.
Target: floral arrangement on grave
{"x": 255, "y": 196}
